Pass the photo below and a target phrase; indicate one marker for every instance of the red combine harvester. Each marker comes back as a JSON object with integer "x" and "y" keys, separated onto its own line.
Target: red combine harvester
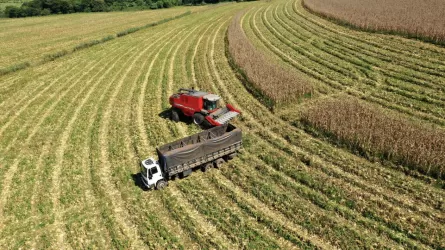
{"x": 202, "y": 106}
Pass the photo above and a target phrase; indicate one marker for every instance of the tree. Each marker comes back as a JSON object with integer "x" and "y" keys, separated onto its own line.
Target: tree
{"x": 30, "y": 11}
{"x": 45, "y": 12}
{"x": 12, "y": 11}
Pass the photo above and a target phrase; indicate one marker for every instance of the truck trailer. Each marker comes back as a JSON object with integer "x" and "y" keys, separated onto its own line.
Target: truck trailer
{"x": 204, "y": 150}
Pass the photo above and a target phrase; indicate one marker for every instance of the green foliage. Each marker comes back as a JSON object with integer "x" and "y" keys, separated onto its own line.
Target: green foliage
{"x": 128, "y": 31}
{"x": 54, "y": 56}
{"x": 45, "y": 12}
{"x": 13, "y": 11}
{"x": 107, "y": 38}
{"x": 93, "y": 42}
{"x": 134, "y": 29}
{"x": 14, "y": 68}
{"x": 47, "y": 7}
{"x": 86, "y": 45}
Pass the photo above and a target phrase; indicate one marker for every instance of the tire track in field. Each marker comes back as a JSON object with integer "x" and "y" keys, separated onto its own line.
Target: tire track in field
{"x": 155, "y": 106}
{"x": 81, "y": 92}
{"x": 204, "y": 225}
{"x": 394, "y": 48}
{"x": 22, "y": 105}
{"x": 209, "y": 229}
{"x": 140, "y": 106}
{"x": 215, "y": 73}
{"x": 208, "y": 74}
{"x": 134, "y": 153}
{"x": 243, "y": 230}
{"x": 247, "y": 116}
{"x": 334, "y": 86}
{"x": 19, "y": 85}
{"x": 404, "y": 106}
{"x": 140, "y": 102}
{"x": 255, "y": 223}
{"x": 119, "y": 210}
{"x": 180, "y": 126}
{"x": 65, "y": 136}
{"x": 407, "y": 97}
{"x": 219, "y": 81}
{"x": 358, "y": 48}
{"x": 273, "y": 214}
{"x": 192, "y": 59}
{"x": 88, "y": 151}
{"x": 48, "y": 112}
{"x": 352, "y": 190}
{"x": 42, "y": 117}
{"x": 159, "y": 95}
{"x": 13, "y": 169}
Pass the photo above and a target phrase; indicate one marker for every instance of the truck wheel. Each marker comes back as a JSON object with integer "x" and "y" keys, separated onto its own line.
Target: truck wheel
{"x": 230, "y": 156}
{"x": 206, "y": 124}
{"x": 174, "y": 115}
{"x": 206, "y": 167}
{"x": 161, "y": 184}
{"x": 198, "y": 118}
{"x": 219, "y": 162}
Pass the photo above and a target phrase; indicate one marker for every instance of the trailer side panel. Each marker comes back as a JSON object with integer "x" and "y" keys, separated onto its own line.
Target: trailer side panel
{"x": 199, "y": 148}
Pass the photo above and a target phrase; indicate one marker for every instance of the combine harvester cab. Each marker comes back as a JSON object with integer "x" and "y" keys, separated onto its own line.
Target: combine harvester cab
{"x": 202, "y": 107}
{"x": 207, "y": 149}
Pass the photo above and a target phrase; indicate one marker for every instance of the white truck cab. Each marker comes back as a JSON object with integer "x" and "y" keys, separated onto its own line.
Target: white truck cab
{"x": 152, "y": 174}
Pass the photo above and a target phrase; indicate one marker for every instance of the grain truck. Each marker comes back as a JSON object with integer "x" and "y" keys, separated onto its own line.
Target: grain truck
{"x": 204, "y": 150}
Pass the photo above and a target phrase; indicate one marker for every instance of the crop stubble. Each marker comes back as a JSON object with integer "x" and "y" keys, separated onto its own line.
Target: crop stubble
{"x": 255, "y": 189}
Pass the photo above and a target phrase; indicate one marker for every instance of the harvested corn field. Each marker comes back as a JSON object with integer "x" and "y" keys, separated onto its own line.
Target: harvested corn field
{"x": 74, "y": 130}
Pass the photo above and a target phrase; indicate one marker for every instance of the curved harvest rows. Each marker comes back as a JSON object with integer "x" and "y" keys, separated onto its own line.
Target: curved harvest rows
{"x": 393, "y": 73}
{"x": 72, "y": 139}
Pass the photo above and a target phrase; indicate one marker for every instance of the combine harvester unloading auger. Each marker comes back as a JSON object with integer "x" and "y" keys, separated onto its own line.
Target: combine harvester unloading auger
{"x": 202, "y": 107}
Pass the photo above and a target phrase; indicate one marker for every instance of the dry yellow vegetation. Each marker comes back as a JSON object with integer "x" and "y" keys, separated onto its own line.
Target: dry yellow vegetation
{"x": 73, "y": 131}
{"x": 28, "y": 39}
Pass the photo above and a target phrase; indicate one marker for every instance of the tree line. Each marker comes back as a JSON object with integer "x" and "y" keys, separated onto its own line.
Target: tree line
{"x": 48, "y": 7}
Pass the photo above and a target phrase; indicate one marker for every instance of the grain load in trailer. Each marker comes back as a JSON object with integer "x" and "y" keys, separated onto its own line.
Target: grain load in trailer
{"x": 206, "y": 149}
